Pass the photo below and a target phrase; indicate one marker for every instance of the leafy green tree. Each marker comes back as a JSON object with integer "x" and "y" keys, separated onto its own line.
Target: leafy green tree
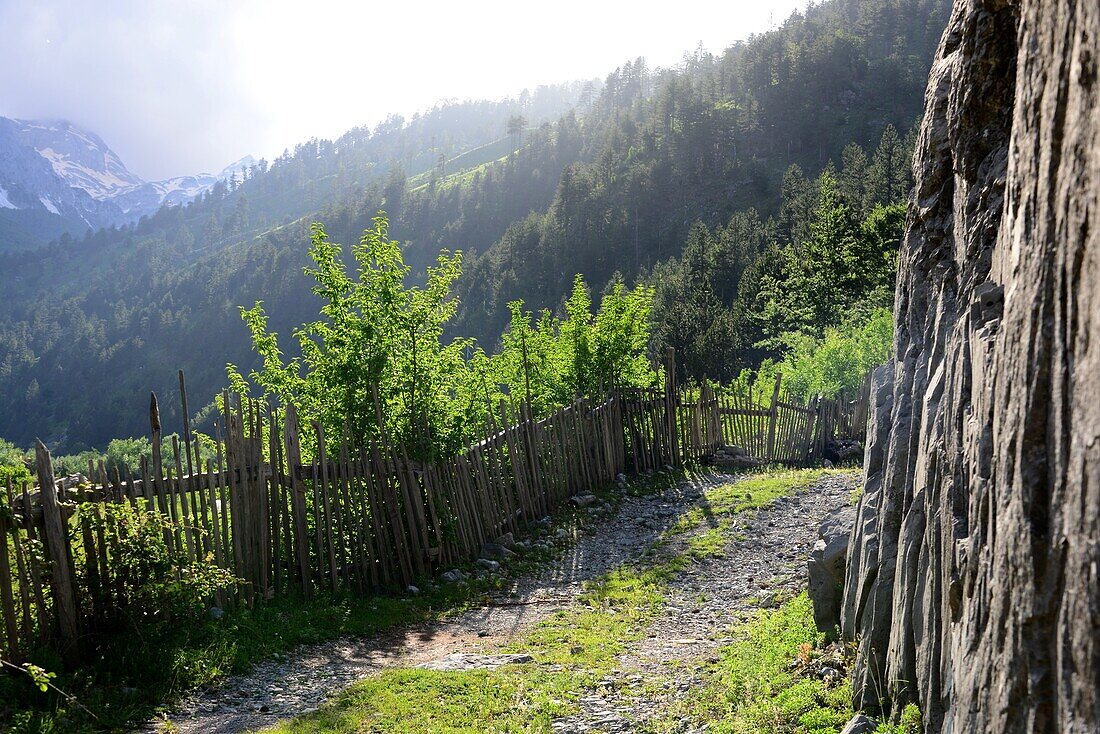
{"x": 838, "y": 360}
{"x": 13, "y": 465}
{"x": 374, "y": 360}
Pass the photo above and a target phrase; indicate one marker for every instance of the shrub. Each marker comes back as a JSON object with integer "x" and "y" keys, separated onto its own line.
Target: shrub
{"x": 837, "y": 362}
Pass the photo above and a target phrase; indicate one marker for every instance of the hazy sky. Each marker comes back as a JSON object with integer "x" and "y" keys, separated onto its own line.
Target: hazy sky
{"x": 189, "y": 85}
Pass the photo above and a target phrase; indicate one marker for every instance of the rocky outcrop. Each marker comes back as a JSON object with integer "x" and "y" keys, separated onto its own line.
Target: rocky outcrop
{"x": 973, "y": 586}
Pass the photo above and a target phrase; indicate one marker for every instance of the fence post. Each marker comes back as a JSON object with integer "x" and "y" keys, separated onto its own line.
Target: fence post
{"x": 297, "y": 497}
{"x": 671, "y": 397}
{"x": 57, "y": 546}
{"x": 774, "y": 417}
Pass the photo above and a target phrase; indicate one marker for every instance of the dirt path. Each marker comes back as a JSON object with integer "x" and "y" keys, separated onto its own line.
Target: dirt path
{"x": 765, "y": 552}
{"x": 763, "y": 558}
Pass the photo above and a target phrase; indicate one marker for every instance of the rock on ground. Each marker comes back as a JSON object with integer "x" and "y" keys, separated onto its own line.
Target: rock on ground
{"x": 826, "y": 567}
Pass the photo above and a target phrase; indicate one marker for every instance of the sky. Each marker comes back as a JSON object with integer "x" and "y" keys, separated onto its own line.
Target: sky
{"x": 187, "y": 86}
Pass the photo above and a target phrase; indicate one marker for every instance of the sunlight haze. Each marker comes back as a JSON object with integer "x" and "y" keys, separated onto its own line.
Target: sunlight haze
{"x": 177, "y": 88}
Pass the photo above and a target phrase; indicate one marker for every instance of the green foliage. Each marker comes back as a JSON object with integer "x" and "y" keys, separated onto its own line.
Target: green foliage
{"x": 840, "y": 266}
{"x": 555, "y": 360}
{"x": 161, "y": 585}
{"x": 755, "y": 291}
{"x": 837, "y": 361}
{"x": 376, "y": 360}
{"x": 124, "y": 455}
{"x": 13, "y": 465}
{"x": 910, "y": 722}
{"x": 752, "y": 688}
{"x": 39, "y": 676}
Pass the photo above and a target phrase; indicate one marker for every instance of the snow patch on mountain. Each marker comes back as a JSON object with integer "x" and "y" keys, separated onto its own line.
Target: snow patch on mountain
{"x": 101, "y": 184}
{"x": 80, "y": 158}
{"x": 65, "y": 170}
{"x": 49, "y": 205}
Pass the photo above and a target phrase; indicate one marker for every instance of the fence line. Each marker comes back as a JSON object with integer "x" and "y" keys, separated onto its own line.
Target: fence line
{"x": 361, "y": 516}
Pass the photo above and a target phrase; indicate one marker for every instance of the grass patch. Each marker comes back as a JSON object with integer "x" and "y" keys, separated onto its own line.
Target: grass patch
{"x": 752, "y": 689}
{"x": 911, "y": 722}
{"x": 413, "y": 701}
{"x": 757, "y": 490}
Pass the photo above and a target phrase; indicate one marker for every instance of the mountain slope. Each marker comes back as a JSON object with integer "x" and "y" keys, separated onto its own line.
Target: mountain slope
{"x": 56, "y": 178}
{"x": 35, "y": 189}
{"x": 602, "y": 180}
{"x": 80, "y": 158}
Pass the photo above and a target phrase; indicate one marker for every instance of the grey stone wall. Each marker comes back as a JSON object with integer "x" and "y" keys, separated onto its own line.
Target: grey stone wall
{"x": 972, "y": 583}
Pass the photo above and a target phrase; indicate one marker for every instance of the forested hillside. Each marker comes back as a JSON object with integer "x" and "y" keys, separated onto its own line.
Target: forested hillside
{"x": 583, "y": 178}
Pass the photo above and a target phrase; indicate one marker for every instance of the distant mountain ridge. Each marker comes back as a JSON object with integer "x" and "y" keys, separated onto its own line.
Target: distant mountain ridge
{"x": 57, "y": 177}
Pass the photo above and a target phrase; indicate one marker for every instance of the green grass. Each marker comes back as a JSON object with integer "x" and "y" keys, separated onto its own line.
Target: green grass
{"x": 752, "y": 690}
{"x": 911, "y": 722}
{"x": 414, "y": 701}
{"x": 757, "y": 490}
{"x": 573, "y": 649}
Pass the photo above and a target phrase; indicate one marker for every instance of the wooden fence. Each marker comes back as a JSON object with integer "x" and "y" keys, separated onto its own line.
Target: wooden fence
{"x": 358, "y": 518}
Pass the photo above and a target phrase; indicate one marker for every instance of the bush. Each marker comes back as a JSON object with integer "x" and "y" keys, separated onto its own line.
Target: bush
{"x": 13, "y": 465}
{"x": 159, "y": 585}
{"x": 837, "y": 362}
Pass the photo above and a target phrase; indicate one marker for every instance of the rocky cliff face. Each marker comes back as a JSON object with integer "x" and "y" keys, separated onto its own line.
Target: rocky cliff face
{"x": 972, "y": 585}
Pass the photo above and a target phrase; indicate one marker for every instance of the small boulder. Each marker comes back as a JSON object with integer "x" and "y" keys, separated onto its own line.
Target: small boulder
{"x": 733, "y": 457}
{"x": 495, "y": 552}
{"x": 488, "y": 565}
{"x": 583, "y": 500}
{"x": 859, "y": 724}
{"x": 413, "y": 590}
{"x": 826, "y": 567}
{"x": 453, "y": 576}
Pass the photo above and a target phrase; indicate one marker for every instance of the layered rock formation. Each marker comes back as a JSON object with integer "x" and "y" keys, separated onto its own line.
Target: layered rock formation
{"x": 972, "y": 584}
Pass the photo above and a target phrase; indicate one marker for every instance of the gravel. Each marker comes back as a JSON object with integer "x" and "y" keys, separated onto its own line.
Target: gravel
{"x": 764, "y": 559}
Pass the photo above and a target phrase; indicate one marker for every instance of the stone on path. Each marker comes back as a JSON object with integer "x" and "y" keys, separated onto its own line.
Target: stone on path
{"x": 826, "y": 567}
